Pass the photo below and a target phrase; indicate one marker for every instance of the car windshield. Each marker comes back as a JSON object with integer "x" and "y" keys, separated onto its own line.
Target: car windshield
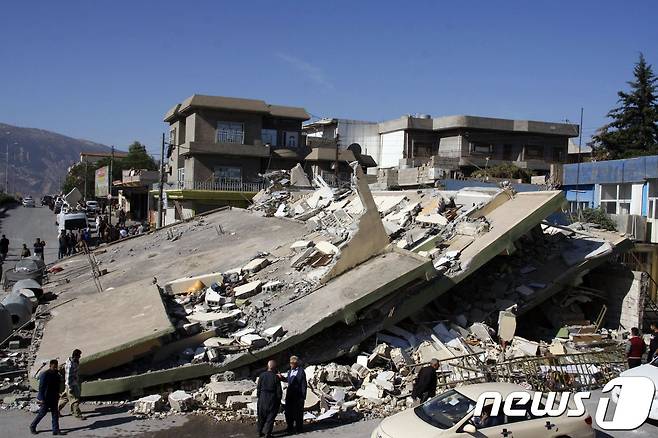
{"x": 654, "y": 362}
{"x": 445, "y": 410}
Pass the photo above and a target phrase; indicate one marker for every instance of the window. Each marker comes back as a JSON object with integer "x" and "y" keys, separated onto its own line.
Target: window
{"x": 558, "y": 155}
{"x": 181, "y": 177}
{"x": 230, "y": 132}
{"x": 172, "y": 137}
{"x": 290, "y": 139}
{"x": 480, "y": 149}
{"x": 269, "y": 136}
{"x": 227, "y": 174}
{"x": 533, "y": 152}
{"x": 616, "y": 198}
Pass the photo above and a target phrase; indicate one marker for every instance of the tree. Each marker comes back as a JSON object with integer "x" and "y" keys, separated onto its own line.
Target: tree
{"x": 505, "y": 170}
{"x": 76, "y": 178}
{"x": 138, "y": 158}
{"x": 633, "y": 130}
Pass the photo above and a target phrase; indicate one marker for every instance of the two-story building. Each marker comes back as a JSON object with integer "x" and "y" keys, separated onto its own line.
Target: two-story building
{"x": 454, "y": 143}
{"x": 220, "y": 145}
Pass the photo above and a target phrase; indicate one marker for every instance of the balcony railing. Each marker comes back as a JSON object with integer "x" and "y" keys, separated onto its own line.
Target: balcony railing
{"x": 228, "y": 185}
{"x": 230, "y": 137}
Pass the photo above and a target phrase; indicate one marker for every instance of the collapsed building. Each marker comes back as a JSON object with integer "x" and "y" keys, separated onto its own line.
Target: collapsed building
{"x": 383, "y": 280}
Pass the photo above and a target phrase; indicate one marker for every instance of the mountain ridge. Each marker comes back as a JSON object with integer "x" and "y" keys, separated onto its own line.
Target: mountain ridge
{"x": 38, "y": 158}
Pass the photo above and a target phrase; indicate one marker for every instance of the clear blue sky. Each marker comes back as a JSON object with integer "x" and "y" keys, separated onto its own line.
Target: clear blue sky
{"x": 108, "y": 71}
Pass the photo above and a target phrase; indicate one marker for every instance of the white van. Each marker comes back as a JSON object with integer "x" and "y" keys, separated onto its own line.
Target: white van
{"x": 71, "y": 221}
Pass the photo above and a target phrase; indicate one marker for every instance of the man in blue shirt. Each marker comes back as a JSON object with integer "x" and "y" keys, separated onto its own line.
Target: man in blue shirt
{"x": 48, "y": 397}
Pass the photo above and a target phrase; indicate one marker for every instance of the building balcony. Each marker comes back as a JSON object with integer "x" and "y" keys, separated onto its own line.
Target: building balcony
{"x": 224, "y": 185}
{"x": 225, "y": 148}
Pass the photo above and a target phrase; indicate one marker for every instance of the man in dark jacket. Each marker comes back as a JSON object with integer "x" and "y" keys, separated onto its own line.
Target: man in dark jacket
{"x": 295, "y": 396}
{"x": 4, "y": 247}
{"x": 38, "y": 247}
{"x": 635, "y": 348}
{"x": 425, "y": 385}
{"x": 48, "y": 397}
{"x": 653, "y": 344}
{"x": 269, "y": 395}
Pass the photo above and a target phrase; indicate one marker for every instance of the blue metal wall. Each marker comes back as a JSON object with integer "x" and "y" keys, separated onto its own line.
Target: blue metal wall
{"x": 615, "y": 171}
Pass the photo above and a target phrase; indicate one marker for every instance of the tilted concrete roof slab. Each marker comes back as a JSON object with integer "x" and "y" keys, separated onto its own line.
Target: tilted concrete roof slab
{"x": 111, "y": 328}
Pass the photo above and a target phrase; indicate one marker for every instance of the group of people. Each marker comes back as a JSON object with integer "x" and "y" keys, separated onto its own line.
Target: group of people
{"x": 109, "y": 233}
{"x": 38, "y": 248}
{"x": 635, "y": 347}
{"x": 71, "y": 242}
{"x": 50, "y": 397}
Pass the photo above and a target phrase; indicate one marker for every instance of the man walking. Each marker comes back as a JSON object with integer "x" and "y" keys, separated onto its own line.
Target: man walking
{"x": 25, "y": 251}
{"x": 653, "y": 344}
{"x": 62, "y": 244}
{"x": 295, "y": 396}
{"x": 38, "y": 247}
{"x": 635, "y": 348}
{"x": 425, "y": 385}
{"x": 269, "y": 395}
{"x": 72, "y": 382}
{"x": 4, "y": 247}
{"x": 48, "y": 397}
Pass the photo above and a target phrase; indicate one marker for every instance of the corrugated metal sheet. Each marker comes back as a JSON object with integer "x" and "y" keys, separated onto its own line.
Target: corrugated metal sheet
{"x": 616, "y": 171}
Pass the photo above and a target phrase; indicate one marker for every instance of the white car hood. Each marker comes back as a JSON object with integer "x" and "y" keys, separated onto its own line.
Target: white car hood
{"x": 646, "y": 370}
{"x": 407, "y": 423}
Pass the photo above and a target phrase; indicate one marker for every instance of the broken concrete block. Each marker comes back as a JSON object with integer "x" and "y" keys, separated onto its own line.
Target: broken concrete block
{"x": 253, "y": 341}
{"x": 215, "y": 318}
{"x": 362, "y": 360}
{"x": 191, "y": 328}
{"x": 432, "y": 219}
{"x": 218, "y": 392}
{"x": 401, "y": 360}
{"x": 213, "y": 298}
{"x": 217, "y": 342}
{"x": 255, "y": 265}
{"x": 337, "y": 373}
{"x": 148, "y": 405}
{"x": 213, "y": 354}
{"x": 338, "y": 394}
{"x": 271, "y": 286}
{"x": 273, "y": 332}
{"x": 247, "y": 290}
{"x": 237, "y": 402}
{"x": 522, "y": 347}
{"x": 506, "y": 325}
{"x": 243, "y": 332}
{"x": 326, "y": 248}
{"x": 360, "y": 371}
{"x": 371, "y": 392}
{"x": 481, "y": 332}
{"x": 557, "y": 348}
{"x": 302, "y": 258}
{"x": 180, "y": 401}
{"x": 199, "y": 355}
{"x": 301, "y": 244}
{"x": 312, "y": 401}
{"x": 281, "y": 211}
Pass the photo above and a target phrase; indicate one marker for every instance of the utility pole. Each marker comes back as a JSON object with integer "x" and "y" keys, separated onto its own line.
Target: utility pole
{"x": 85, "y": 196}
{"x": 7, "y": 171}
{"x": 336, "y": 161}
{"x": 160, "y": 189}
{"x": 580, "y": 144}
{"x": 109, "y": 188}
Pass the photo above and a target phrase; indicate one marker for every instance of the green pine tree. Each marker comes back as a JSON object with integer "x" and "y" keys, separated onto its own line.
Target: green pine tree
{"x": 633, "y": 130}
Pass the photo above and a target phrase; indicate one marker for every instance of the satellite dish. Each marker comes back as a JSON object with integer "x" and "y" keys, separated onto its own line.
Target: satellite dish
{"x": 355, "y": 148}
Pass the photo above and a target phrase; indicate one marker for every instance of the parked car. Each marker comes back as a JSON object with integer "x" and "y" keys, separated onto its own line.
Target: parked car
{"x": 71, "y": 221}
{"x": 450, "y": 414}
{"x": 92, "y": 206}
{"x": 28, "y": 201}
{"x": 649, "y": 370}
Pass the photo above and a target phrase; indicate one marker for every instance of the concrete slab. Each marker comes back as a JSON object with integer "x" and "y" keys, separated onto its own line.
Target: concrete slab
{"x": 111, "y": 328}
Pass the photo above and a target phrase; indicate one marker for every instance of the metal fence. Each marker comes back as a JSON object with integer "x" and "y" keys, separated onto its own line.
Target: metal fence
{"x": 569, "y": 372}
{"x": 223, "y": 185}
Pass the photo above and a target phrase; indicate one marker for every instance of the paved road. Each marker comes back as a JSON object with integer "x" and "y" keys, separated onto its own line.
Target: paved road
{"x": 24, "y": 225}
{"x": 112, "y": 421}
